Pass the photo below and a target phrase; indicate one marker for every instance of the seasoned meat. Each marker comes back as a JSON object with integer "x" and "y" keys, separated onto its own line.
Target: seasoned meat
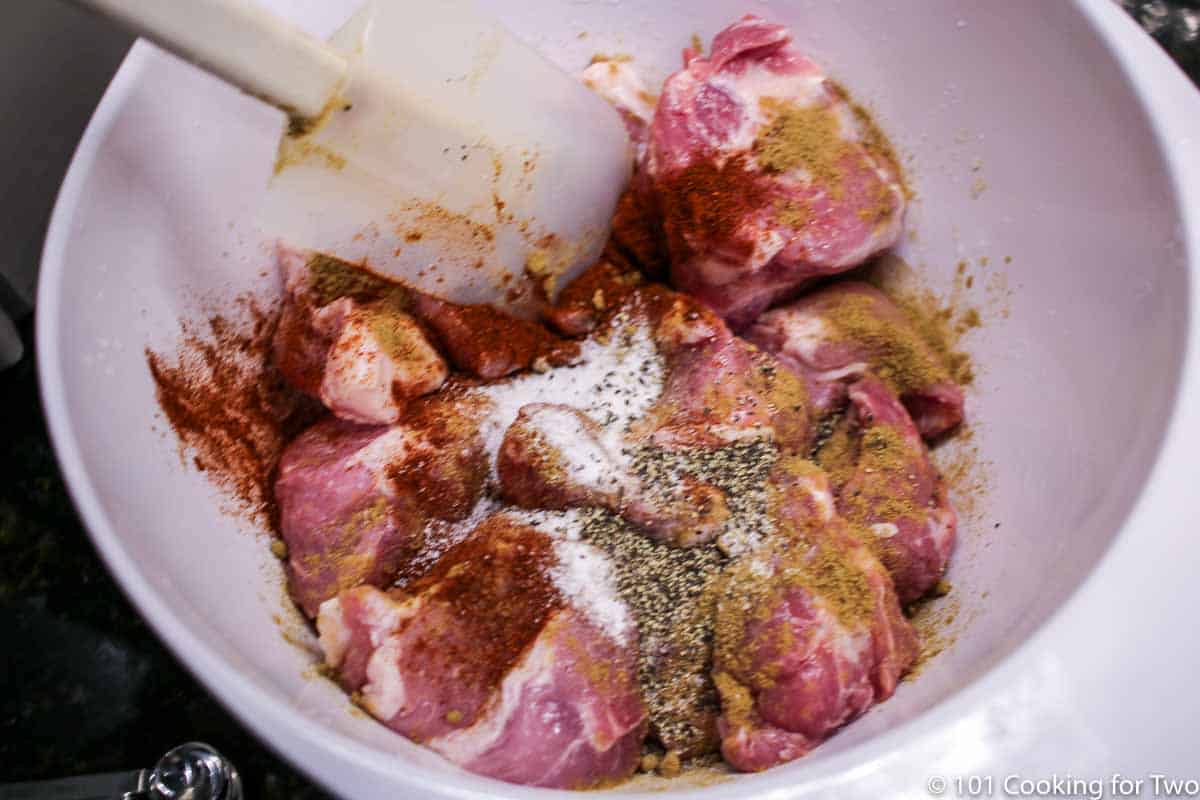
{"x": 378, "y": 361}
{"x": 808, "y": 634}
{"x": 365, "y": 346}
{"x": 488, "y": 343}
{"x": 555, "y": 457}
{"x": 488, "y": 662}
{"x": 354, "y": 500}
{"x": 763, "y": 175}
{"x": 619, "y": 83}
{"x": 719, "y": 389}
{"x": 837, "y": 335}
{"x": 363, "y": 357}
{"x": 889, "y": 490}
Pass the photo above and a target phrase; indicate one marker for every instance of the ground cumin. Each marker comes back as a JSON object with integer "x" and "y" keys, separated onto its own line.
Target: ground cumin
{"x": 904, "y": 358}
{"x": 330, "y": 278}
{"x": 934, "y": 324}
{"x": 815, "y": 561}
{"x": 939, "y": 322}
{"x": 744, "y": 598}
{"x": 812, "y": 138}
{"x": 395, "y": 331}
{"x": 793, "y": 213}
{"x": 828, "y": 572}
{"x": 871, "y": 136}
{"x": 837, "y": 453}
{"x": 866, "y": 469}
{"x": 804, "y": 137}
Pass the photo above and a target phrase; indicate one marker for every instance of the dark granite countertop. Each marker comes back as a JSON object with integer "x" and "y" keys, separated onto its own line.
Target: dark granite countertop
{"x": 88, "y": 687}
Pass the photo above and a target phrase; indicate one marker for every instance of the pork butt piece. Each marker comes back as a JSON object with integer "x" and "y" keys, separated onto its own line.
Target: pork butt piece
{"x": 718, "y": 391}
{"x": 354, "y": 500}
{"x": 488, "y": 343}
{"x": 808, "y": 633}
{"x": 721, "y": 390}
{"x": 618, "y": 82}
{"x": 489, "y": 662}
{"x": 888, "y": 488}
{"x": 762, "y": 174}
{"x": 366, "y": 346}
{"x": 556, "y": 457}
{"x": 360, "y": 353}
{"x": 849, "y": 329}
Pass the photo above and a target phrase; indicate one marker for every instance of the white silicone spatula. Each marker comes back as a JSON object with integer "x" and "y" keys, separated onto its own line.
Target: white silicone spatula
{"x": 425, "y": 139}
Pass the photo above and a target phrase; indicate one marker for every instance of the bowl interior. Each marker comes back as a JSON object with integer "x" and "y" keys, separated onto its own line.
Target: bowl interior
{"x": 1032, "y": 160}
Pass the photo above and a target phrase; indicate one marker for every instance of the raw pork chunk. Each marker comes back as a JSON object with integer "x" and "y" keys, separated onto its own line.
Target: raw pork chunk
{"x": 763, "y": 176}
{"x": 354, "y": 500}
{"x": 841, "y": 333}
{"x": 365, "y": 346}
{"x": 721, "y": 390}
{"x": 889, "y": 490}
{"x": 808, "y": 633}
{"x": 489, "y": 663}
{"x": 359, "y": 352}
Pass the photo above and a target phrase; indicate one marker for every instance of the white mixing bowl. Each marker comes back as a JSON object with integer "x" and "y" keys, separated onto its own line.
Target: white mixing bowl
{"x": 1051, "y": 133}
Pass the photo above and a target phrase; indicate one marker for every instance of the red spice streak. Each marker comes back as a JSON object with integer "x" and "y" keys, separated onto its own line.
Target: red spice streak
{"x": 228, "y": 405}
{"x": 636, "y": 240}
{"x": 500, "y": 594}
{"x": 707, "y": 201}
{"x": 488, "y": 343}
{"x": 446, "y": 479}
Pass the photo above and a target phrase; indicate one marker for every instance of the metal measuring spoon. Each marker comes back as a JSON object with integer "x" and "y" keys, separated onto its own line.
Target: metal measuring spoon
{"x": 192, "y": 771}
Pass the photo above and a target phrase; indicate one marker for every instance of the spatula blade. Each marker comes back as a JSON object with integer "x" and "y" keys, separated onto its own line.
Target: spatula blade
{"x": 455, "y": 158}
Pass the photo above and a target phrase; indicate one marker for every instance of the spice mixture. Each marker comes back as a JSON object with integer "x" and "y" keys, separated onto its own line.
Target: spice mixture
{"x": 229, "y": 406}
{"x": 619, "y": 530}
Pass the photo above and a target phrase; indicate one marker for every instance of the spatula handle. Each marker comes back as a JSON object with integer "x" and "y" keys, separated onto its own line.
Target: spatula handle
{"x": 240, "y": 43}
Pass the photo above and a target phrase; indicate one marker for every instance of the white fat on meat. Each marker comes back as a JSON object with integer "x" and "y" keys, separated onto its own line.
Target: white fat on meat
{"x": 818, "y": 489}
{"x": 384, "y": 693}
{"x": 616, "y": 382}
{"x": 803, "y": 336}
{"x": 334, "y": 637}
{"x": 390, "y": 447}
{"x": 884, "y": 530}
{"x": 378, "y": 360}
{"x": 332, "y": 634}
{"x": 584, "y": 576}
{"x": 619, "y": 83}
{"x": 755, "y": 84}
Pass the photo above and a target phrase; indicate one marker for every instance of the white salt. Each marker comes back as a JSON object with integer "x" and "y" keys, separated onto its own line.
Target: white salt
{"x": 439, "y": 535}
{"x": 584, "y": 574}
{"x": 565, "y": 525}
{"x": 587, "y": 459}
{"x": 615, "y": 383}
{"x": 585, "y": 577}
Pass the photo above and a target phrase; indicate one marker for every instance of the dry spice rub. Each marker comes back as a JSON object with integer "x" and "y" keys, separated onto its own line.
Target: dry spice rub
{"x": 658, "y": 526}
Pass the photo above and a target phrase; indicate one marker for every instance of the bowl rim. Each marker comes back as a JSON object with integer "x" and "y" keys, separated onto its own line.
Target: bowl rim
{"x": 305, "y": 743}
